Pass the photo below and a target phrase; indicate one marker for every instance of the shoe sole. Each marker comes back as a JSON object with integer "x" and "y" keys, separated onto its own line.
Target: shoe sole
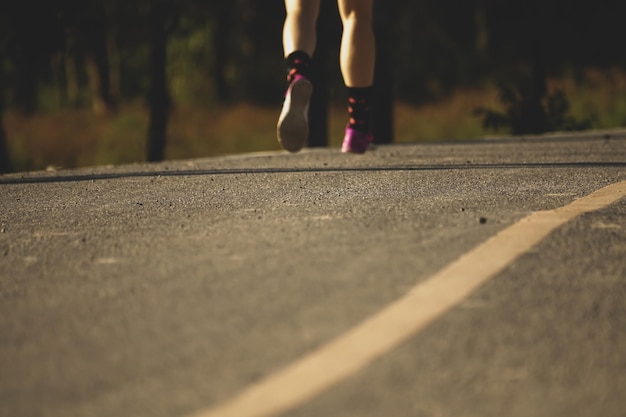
{"x": 293, "y": 126}
{"x": 359, "y": 150}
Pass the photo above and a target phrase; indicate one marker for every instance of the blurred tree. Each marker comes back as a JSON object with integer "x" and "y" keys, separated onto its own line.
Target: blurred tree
{"x": 5, "y": 161}
{"x": 538, "y": 39}
{"x": 88, "y": 32}
{"x": 433, "y": 45}
{"x": 161, "y": 23}
{"x": 33, "y": 38}
{"x": 382, "y": 104}
{"x": 112, "y": 50}
{"x": 201, "y": 51}
{"x": 222, "y": 35}
{"x": 230, "y": 50}
{"x": 324, "y": 63}
{"x": 256, "y": 52}
{"x": 524, "y": 114}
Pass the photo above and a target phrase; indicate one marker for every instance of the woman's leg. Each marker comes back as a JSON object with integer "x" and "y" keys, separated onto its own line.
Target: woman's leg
{"x": 299, "y": 44}
{"x": 358, "y": 50}
{"x": 299, "y": 28}
{"x": 358, "y": 53}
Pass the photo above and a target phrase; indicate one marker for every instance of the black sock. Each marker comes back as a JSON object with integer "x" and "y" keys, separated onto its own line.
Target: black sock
{"x": 358, "y": 108}
{"x": 298, "y": 63}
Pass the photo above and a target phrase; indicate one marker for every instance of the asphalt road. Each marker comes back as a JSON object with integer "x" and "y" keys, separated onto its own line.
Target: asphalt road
{"x": 167, "y": 289}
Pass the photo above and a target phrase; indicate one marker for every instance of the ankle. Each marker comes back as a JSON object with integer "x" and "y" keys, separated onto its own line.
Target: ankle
{"x": 298, "y": 64}
{"x": 358, "y": 108}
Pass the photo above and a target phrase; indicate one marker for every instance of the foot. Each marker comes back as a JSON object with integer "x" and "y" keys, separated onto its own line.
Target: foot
{"x": 293, "y": 124}
{"x": 355, "y": 141}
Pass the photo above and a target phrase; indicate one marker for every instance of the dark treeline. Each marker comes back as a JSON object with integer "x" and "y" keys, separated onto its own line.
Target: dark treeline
{"x": 99, "y": 53}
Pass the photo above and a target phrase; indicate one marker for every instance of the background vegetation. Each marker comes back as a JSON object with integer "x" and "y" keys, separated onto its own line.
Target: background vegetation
{"x": 91, "y": 82}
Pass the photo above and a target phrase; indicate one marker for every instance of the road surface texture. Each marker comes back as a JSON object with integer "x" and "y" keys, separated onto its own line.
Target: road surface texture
{"x": 172, "y": 289}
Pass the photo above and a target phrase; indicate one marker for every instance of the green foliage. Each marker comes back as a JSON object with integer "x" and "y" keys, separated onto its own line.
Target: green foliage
{"x": 230, "y": 50}
{"x": 526, "y": 112}
{"x": 67, "y": 56}
{"x": 189, "y": 67}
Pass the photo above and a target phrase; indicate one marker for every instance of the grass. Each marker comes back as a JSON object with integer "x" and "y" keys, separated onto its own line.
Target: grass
{"x": 77, "y": 138}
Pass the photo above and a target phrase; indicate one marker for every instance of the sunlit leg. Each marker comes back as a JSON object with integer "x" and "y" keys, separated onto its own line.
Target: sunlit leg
{"x": 358, "y": 50}
{"x": 299, "y": 28}
{"x": 299, "y": 37}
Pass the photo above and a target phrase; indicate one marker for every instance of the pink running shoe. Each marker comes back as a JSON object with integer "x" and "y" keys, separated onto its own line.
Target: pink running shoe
{"x": 293, "y": 123}
{"x": 355, "y": 141}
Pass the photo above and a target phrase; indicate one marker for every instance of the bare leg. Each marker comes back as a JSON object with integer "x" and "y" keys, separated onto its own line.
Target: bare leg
{"x": 357, "y": 43}
{"x": 299, "y": 44}
{"x": 357, "y": 56}
{"x": 299, "y": 28}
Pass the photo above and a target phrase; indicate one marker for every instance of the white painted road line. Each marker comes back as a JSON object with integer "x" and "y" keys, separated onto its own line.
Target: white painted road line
{"x": 402, "y": 319}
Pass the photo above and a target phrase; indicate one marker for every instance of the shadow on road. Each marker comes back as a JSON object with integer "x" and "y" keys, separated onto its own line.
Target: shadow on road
{"x": 59, "y": 177}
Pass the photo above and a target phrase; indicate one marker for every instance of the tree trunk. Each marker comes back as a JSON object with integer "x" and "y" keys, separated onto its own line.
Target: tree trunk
{"x": 97, "y": 62}
{"x": 318, "y": 106}
{"x": 327, "y": 25}
{"x": 112, "y": 52}
{"x": 221, "y": 49}
{"x": 27, "y": 80}
{"x": 5, "y": 161}
{"x": 382, "y": 100}
{"x": 72, "y": 85}
{"x": 535, "y": 120}
{"x": 158, "y": 96}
